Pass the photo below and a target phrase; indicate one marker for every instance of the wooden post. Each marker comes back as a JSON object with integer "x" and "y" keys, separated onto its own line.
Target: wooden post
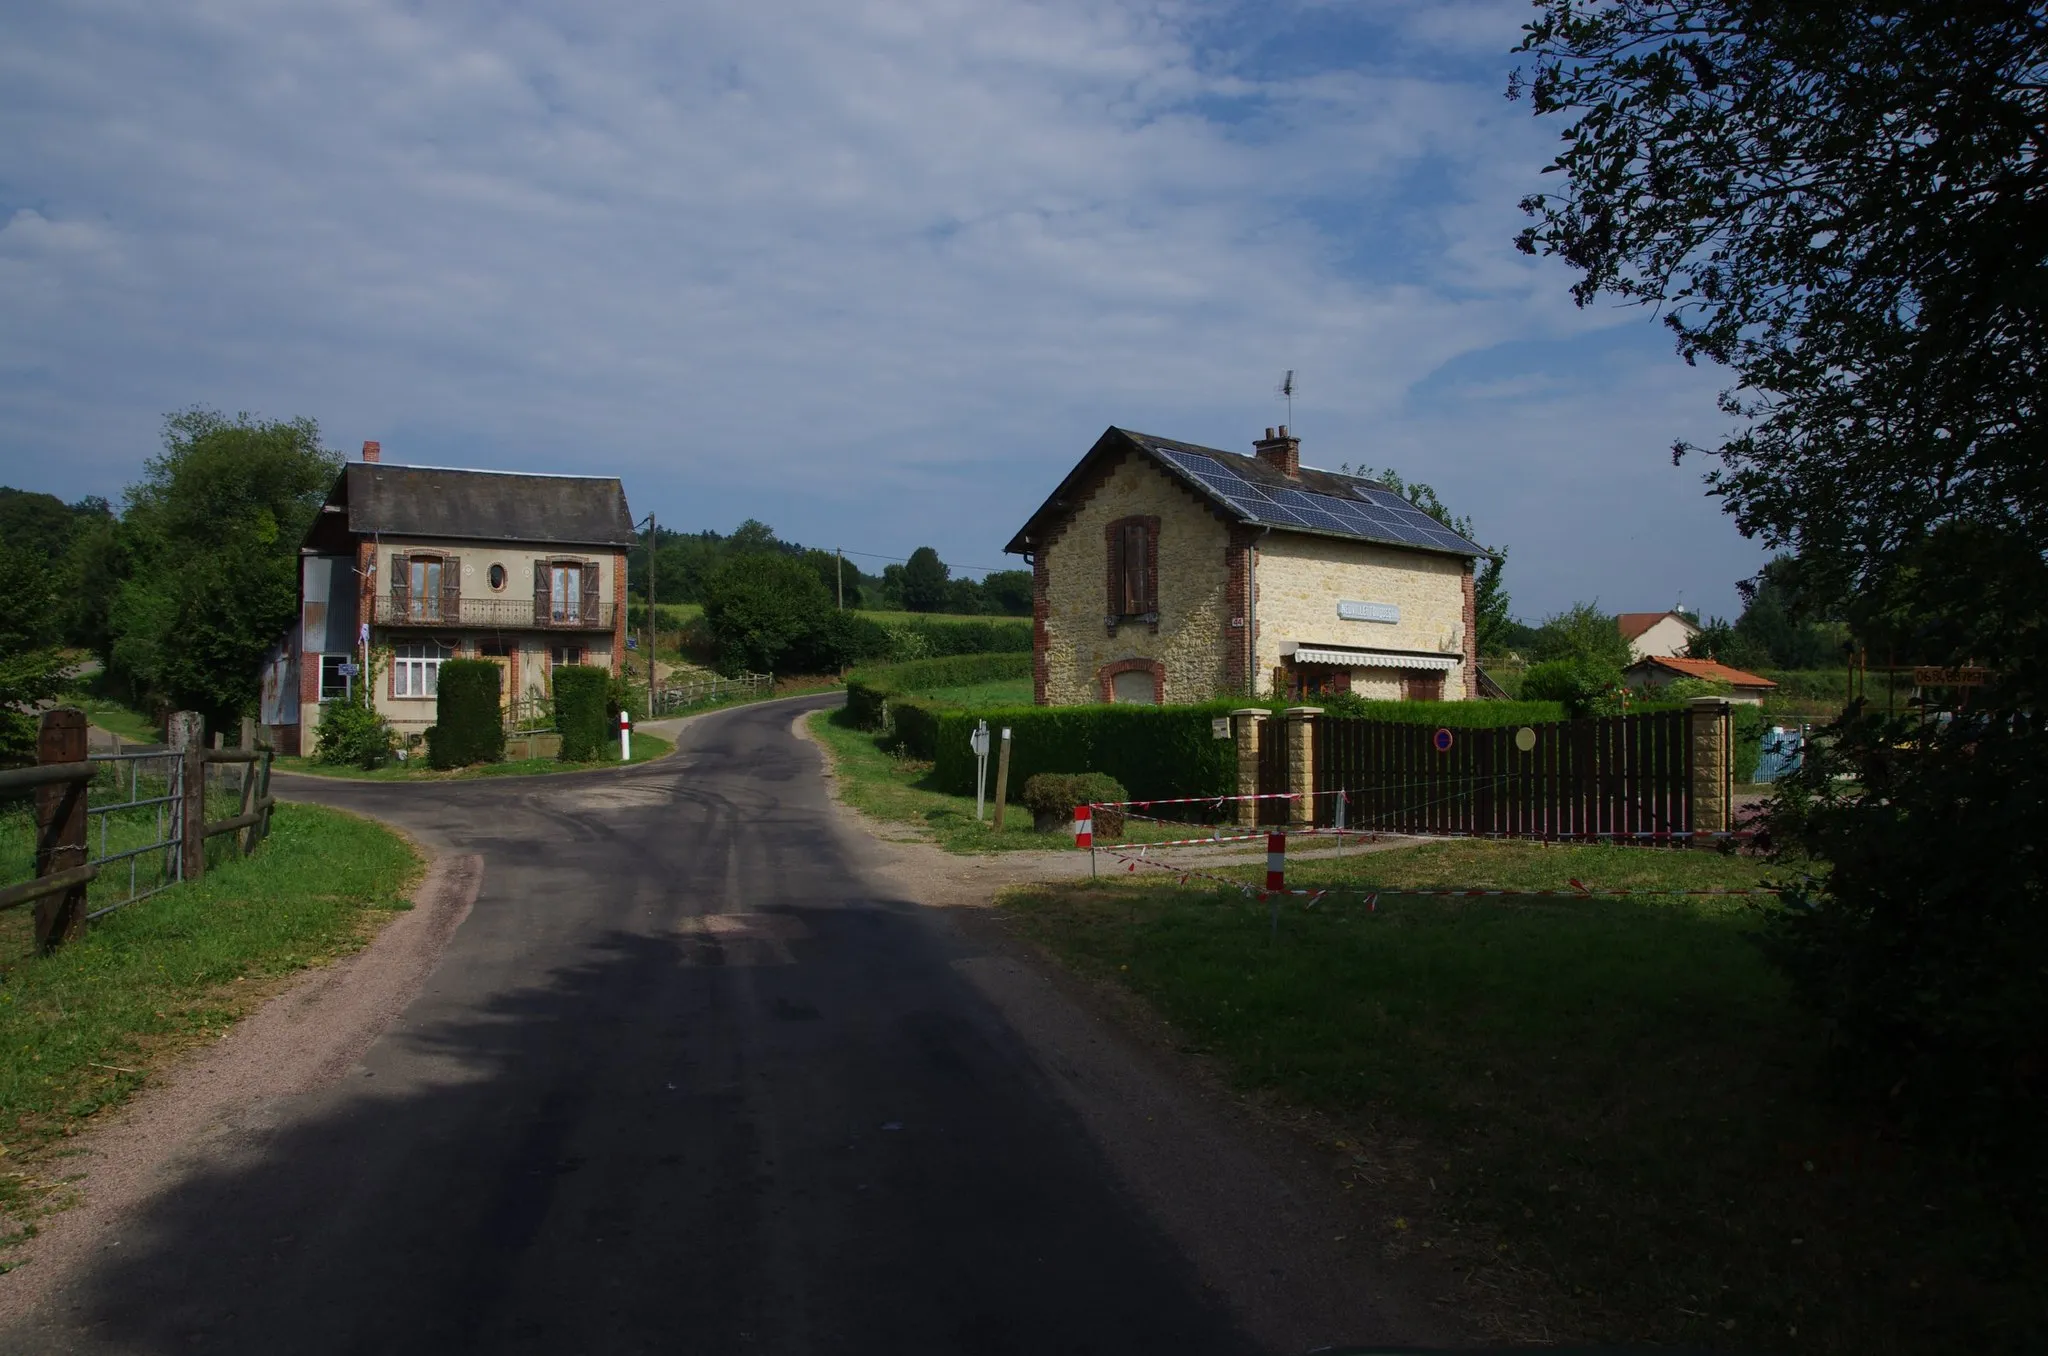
{"x": 185, "y": 731}
{"x": 263, "y": 797}
{"x": 1002, "y": 778}
{"x": 60, "y": 828}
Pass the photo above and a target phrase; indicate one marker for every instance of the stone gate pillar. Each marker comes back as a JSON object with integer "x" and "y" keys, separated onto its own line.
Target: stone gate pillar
{"x": 1248, "y": 726}
{"x": 1712, "y": 732}
{"x": 1301, "y": 763}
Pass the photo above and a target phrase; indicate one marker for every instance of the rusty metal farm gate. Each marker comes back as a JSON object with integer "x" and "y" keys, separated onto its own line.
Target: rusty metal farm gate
{"x": 1610, "y": 777}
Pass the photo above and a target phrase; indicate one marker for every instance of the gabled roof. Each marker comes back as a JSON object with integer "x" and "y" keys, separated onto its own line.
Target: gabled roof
{"x": 1710, "y": 669}
{"x": 1634, "y": 624}
{"x": 379, "y": 498}
{"x": 1244, "y": 489}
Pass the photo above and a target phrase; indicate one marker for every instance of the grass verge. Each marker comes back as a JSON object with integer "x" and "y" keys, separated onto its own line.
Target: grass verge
{"x": 104, "y": 706}
{"x": 646, "y": 747}
{"x": 81, "y": 1029}
{"x": 1600, "y": 1118}
{"x": 887, "y": 786}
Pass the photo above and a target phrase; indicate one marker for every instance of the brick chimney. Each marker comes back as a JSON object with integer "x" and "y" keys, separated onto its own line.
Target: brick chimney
{"x": 1281, "y": 451}
{"x": 373, "y": 451}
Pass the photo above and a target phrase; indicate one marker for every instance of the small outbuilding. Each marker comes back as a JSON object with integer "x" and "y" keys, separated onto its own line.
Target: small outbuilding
{"x": 1658, "y": 670}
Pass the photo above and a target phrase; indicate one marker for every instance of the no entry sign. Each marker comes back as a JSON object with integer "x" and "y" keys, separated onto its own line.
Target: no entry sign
{"x": 1443, "y": 741}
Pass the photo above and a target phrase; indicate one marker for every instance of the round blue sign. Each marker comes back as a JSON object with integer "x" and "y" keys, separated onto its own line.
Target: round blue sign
{"x": 1443, "y": 741}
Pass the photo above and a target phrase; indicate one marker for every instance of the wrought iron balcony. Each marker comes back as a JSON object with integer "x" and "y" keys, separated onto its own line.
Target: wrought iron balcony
{"x": 498, "y": 614}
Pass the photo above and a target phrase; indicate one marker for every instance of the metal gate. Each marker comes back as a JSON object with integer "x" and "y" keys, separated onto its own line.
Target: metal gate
{"x": 1612, "y": 777}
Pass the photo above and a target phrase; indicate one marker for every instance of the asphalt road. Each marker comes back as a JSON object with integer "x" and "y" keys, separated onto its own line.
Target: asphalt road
{"x": 684, "y": 1081}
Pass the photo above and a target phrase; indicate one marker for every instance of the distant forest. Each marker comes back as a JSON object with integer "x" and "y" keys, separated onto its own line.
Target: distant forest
{"x": 683, "y": 561}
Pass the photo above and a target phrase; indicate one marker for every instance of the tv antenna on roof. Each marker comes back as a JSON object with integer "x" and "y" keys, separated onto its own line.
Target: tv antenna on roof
{"x": 1287, "y": 389}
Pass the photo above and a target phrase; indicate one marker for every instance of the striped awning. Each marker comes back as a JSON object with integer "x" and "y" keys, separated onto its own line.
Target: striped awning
{"x": 1374, "y": 659}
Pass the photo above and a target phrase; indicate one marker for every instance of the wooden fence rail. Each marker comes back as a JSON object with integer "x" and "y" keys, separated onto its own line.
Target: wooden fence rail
{"x": 62, "y": 782}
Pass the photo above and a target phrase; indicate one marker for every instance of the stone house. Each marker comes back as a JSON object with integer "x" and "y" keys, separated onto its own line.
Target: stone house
{"x": 1658, "y": 634}
{"x": 1168, "y": 572}
{"x": 422, "y": 564}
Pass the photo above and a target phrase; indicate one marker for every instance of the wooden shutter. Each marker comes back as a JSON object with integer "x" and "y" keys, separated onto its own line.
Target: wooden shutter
{"x": 588, "y": 612}
{"x": 543, "y": 577}
{"x": 1115, "y": 605}
{"x": 401, "y": 586}
{"x": 451, "y": 589}
{"x": 1136, "y": 601}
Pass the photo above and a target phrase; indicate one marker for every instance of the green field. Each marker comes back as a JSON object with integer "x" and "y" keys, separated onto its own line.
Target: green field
{"x": 1003, "y": 692}
{"x": 82, "y": 1029}
{"x": 1601, "y": 1120}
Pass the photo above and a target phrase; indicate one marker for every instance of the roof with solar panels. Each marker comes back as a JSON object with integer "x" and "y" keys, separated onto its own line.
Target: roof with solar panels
{"x": 1253, "y": 491}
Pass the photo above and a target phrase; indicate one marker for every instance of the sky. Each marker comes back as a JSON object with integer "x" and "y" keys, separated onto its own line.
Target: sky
{"x": 875, "y": 272}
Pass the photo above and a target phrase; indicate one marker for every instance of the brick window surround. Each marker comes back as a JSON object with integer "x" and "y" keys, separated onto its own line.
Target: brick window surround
{"x": 1119, "y": 599}
{"x": 1106, "y": 676}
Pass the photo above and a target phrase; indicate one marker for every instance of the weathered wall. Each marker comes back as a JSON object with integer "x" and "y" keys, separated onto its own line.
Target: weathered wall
{"x": 1301, "y": 579}
{"x": 1194, "y": 617}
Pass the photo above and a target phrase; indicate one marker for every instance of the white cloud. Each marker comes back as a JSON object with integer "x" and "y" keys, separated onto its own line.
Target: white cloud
{"x": 873, "y": 272}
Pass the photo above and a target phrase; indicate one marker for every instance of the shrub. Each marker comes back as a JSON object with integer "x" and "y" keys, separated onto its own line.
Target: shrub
{"x": 1585, "y": 687}
{"x": 352, "y": 735}
{"x": 1052, "y": 798}
{"x": 758, "y": 608}
{"x": 469, "y": 722}
{"x": 1155, "y": 751}
{"x": 583, "y": 712}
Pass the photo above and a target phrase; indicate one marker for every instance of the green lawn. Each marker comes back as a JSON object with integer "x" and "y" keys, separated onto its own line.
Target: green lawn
{"x": 80, "y": 1030}
{"x": 645, "y": 748}
{"x": 1474, "y": 864}
{"x": 108, "y": 710}
{"x": 1600, "y": 1117}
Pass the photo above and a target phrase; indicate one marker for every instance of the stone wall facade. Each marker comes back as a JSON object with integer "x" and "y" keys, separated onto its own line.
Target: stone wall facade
{"x": 1076, "y": 651}
{"x": 1301, "y": 579}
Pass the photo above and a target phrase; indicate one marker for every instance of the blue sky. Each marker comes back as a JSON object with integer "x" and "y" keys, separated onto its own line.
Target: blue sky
{"x": 875, "y": 273}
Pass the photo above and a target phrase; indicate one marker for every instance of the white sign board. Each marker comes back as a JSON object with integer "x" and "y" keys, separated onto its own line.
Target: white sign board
{"x": 1219, "y": 728}
{"x": 1372, "y": 612}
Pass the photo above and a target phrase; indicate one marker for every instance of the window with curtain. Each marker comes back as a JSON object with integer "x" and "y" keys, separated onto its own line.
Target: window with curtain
{"x": 425, "y": 603}
{"x": 567, "y": 593}
{"x": 416, "y": 668}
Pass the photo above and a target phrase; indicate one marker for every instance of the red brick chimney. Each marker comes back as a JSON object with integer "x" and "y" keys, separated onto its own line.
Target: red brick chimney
{"x": 373, "y": 451}
{"x": 1281, "y": 451}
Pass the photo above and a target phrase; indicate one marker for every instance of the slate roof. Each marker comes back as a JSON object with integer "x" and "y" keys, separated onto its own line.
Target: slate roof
{"x": 1634, "y": 624}
{"x": 1399, "y": 523}
{"x": 433, "y": 501}
{"x": 1710, "y": 669}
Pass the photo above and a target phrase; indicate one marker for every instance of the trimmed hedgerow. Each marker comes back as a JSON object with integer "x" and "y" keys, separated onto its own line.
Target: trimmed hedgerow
{"x": 469, "y": 724}
{"x": 1154, "y": 751}
{"x": 879, "y": 697}
{"x": 582, "y": 708}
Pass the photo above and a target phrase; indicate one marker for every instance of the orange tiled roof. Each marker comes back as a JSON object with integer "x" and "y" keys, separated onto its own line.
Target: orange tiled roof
{"x": 1713, "y": 670}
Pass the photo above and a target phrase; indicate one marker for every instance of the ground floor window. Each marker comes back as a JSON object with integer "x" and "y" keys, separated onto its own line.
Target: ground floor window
{"x": 416, "y": 668}
{"x": 1308, "y": 684}
{"x": 334, "y": 684}
{"x": 565, "y": 654}
{"x": 1419, "y": 686}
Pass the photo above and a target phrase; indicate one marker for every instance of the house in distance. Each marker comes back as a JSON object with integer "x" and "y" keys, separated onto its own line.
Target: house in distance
{"x": 422, "y": 564}
{"x": 1168, "y": 572}
{"x": 1656, "y": 635}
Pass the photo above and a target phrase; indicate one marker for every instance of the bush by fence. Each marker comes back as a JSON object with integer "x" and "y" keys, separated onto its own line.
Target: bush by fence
{"x": 582, "y": 705}
{"x": 469, "y": 724}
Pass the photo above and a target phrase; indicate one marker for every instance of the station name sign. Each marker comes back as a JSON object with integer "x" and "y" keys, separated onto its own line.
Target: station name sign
{"x": 1370, "y": 612}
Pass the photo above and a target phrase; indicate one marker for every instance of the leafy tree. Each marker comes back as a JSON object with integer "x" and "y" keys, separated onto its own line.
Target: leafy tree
{"x": 1008, "y": 592}
{"x": 1831, "y": 199}
{"x": 31, "y": 669}
{"x": 924, "y": 581}
{"x": 1583, "y": 632}
{"x": 207, "y": 554}
{"x": 1498, "y": 631}
{"x": 43, "y": 524}
{"x": 758, "y": 609}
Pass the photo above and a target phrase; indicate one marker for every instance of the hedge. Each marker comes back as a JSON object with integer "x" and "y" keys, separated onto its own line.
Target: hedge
{"x": 876, "y": 696}
{"x": 1155, "y": 751}
{"x": 582, "y": 708}
{"x": 951, "y": 639}
{"x": 469, "y": 723}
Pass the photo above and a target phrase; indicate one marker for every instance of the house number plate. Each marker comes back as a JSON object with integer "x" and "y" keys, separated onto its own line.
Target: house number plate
{"x": 1373, "y": 612}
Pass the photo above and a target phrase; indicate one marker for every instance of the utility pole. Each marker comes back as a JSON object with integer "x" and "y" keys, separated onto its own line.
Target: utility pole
{"x": 653, "y": 541}
{"x": 839, "y": 568}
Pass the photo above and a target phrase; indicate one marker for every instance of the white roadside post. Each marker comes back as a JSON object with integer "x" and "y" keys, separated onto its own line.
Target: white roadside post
{"x": 978, "y": 741}
{"x": 625, "y": 737}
